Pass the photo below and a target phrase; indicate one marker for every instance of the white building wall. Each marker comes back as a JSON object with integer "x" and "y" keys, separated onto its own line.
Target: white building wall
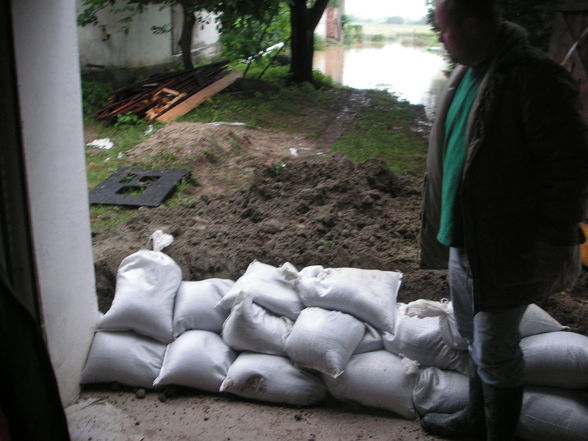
{"x": 109, "y": 46}
{"x": 48, "y": 78}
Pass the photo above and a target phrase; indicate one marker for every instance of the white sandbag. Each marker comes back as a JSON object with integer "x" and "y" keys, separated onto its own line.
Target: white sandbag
{"x": 538, "y": 321}
{"x": 377, "y": 379}
{"x": 197, "y": 359}
{"x": 324, "y": 340}
{"x": 443, "y": 310}
{"x": 123, "y": 357}
{"x": 420, "y": 339}
{"x": 442, "y": 391}
{"x": 369, "y": 295}
{"x": 146, "y": 286}
{"x": 371, "y": 341}
{"x": 250, "y": 327}
{"x": 550, "y": 414}
{"x": 274, "y": 379}
{"x": 197, "y": 307}
{"x": 268, "y": 286}
{"x": 556, "y": 359}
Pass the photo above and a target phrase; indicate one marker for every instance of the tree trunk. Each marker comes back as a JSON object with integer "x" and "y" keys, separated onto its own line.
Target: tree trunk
{"x": 303, "y": 22}
{"x": 186, "y": 37}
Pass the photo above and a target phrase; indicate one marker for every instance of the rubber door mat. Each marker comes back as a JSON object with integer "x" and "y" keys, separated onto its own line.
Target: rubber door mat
{"x": 137, "y": 187}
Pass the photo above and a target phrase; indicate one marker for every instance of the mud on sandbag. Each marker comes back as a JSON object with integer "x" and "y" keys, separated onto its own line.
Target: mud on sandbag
{"x": 369, "y": 295}
{"x": 250, "y": 327}
{"x": 274, "y": 379}
{"x": 197, "y": 307}
{"x": 324, "y": 340}
{"x": 268, "y": 286}
{"x": 197, "y": 359}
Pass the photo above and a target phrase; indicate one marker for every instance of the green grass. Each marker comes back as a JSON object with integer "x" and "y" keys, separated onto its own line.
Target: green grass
{"x": 383, "y": 130}
{"x": 380, "y": 130}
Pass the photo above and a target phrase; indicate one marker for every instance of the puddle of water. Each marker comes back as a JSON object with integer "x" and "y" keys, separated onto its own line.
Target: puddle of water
{"x": 411, "y": 73}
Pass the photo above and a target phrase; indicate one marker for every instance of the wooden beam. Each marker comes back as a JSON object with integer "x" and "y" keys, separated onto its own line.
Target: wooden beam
{"x": 197, "y": 99}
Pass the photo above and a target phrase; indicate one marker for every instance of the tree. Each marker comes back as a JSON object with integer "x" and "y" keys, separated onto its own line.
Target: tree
{"x": 303, "y": 22}
{"x": 304, "y": 18}
{"x": 127, "y": 9}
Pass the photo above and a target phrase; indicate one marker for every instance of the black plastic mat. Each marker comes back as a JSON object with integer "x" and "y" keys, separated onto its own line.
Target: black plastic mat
{"x": 137, "y": 187}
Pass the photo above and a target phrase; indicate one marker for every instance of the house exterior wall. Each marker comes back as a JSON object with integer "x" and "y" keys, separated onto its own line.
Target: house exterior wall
{"x": 48, "y": 79}
{"x": 110, "y": 47}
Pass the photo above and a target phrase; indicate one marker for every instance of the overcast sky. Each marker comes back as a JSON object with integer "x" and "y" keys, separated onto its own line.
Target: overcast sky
{"x": 413, "y": 9}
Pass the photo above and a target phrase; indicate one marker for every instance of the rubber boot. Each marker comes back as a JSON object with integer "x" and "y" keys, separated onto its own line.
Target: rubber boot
{"x": 503, "y": 409}
{"x": 468, "y": 422}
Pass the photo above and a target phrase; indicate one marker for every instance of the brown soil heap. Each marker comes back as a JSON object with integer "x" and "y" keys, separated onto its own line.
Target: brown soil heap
{"x": 318, "y": 210}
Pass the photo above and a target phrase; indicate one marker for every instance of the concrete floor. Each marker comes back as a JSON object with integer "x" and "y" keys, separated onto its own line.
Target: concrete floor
{"x": 121, "y": 416}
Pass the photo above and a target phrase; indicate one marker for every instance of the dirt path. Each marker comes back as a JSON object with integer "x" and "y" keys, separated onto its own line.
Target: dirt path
{"x": 102, "y": 416}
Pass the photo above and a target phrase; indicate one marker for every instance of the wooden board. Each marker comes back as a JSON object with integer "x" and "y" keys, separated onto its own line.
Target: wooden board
{"x": 197, "y": 99}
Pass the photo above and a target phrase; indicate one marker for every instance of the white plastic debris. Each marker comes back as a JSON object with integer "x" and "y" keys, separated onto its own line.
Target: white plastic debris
{"x": 102, "y": 143}
{"x": 294, "y": 152}
{"x": 150, "y": 129}
{"x": 222, "y": 123}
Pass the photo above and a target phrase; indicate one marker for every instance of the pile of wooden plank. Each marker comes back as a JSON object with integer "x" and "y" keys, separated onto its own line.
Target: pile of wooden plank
{"x": 165, "y": 97}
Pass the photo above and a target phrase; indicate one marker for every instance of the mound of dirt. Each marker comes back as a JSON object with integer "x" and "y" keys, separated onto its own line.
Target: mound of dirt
{"x": 314, "y": 210}
{"x": 323, "y": 210}
{"x": 223, "y": 155}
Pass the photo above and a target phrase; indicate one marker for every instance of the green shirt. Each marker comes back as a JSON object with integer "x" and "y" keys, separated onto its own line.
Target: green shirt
{"x": 456, "y": 123}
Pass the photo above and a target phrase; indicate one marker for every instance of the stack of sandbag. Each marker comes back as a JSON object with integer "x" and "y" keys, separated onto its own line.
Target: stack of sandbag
{"x": 555, "y": 404}
{"x": 286, "y": 336}
{"x": 292, "y": 327}
{"x": 264, "y": 305}
{"x": 160, "y": 330}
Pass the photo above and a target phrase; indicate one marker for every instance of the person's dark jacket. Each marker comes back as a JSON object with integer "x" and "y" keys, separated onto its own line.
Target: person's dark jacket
{"x": 525, "y": 180}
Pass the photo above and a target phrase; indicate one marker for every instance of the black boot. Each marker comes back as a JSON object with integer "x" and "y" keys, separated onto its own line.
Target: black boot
{"x": 503, "y": 409}
{"x": 468, "y": 422}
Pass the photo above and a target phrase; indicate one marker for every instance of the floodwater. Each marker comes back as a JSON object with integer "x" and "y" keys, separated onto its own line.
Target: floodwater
{"x": 411, "y": 73}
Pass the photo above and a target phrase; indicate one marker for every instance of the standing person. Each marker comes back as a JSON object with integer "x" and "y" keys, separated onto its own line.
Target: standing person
{"x": 506, "y": 187}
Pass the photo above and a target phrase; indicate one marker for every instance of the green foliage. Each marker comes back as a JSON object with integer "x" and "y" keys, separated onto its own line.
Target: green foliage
{"x": 128, "y": 119}
{"x": 94, "y": 96}
{"x": 244, "y": 36}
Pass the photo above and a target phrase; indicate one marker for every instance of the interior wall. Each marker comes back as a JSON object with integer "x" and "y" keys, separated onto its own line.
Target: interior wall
{"x": 48, "y": 78}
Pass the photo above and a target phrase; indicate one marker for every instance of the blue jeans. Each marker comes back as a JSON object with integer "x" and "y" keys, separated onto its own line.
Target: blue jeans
{"x": 493, "y": 336}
